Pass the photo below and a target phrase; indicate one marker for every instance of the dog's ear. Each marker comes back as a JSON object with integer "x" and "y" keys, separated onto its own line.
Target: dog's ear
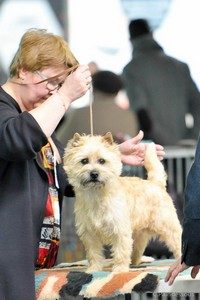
{"x": 108, "y": 138}
{"x": 76, "y": 139}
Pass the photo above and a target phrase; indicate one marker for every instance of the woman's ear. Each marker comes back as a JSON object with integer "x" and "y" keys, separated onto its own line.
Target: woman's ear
{"x": 22, "y": 73}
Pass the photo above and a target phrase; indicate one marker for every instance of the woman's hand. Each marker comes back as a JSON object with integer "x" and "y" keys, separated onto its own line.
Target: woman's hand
{"x": 177, "y": 268}
{"x": 133, "y": 150}
{"x": 76, "y": 84}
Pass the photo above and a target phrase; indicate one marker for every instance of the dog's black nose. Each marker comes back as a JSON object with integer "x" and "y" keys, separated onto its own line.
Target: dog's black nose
{"x": 94, "y": 175}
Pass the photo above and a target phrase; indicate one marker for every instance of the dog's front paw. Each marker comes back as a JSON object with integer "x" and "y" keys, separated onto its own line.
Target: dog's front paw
{"x": 120, "y": 268}
{"x": 94, "y": 268}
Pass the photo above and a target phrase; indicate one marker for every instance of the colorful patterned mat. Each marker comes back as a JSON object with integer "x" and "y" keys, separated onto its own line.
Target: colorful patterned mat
{"x": 72, "y": 280}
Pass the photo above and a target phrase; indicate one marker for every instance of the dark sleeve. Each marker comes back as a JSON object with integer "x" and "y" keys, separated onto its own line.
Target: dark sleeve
{"x": 191, "y": 224}
{"x": 20, "y": 135}
{"x": 191, "y": 242}
{"x": 192, "y": 189}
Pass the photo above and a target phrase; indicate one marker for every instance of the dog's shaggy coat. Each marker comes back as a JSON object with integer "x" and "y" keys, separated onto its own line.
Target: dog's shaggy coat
{"x": 125, "y": 212}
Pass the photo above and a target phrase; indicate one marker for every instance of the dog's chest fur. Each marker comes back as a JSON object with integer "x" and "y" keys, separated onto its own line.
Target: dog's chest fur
{"x": 103, "y": 216}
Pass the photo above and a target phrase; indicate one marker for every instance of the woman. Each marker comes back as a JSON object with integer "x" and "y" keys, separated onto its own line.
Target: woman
{"x": 45, "y": 79}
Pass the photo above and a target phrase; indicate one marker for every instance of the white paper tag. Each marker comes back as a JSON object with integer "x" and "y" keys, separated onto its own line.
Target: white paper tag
{"x": 55, "y": 172}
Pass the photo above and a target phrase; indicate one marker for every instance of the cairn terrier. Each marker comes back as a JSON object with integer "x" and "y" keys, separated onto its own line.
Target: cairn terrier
{"x": 124, "y": 212}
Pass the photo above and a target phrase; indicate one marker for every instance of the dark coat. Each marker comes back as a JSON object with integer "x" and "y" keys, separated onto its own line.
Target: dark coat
{"x": 23, "y": 194}
{"x": 191, "y": 224}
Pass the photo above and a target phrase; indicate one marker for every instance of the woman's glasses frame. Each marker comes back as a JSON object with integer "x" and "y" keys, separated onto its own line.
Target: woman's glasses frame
{"x": 52, "y": 82}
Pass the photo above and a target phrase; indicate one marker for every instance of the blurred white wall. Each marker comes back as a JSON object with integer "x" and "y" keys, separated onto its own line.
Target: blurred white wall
{"x": 16, "y": 16}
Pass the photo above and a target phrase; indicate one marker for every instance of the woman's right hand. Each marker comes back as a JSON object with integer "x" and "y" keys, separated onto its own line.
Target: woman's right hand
{"x": 133, "y": 150}
{"x": 179, "y": 267}
{"x": 76, "y": 84}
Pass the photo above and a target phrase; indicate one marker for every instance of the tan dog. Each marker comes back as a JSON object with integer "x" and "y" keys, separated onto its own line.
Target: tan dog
{"x": 125, "y": 212}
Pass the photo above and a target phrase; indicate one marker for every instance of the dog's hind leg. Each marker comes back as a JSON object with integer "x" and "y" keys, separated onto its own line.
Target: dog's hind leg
{"x": 140, "y": 241}
{"x": 172, "y": 238}
{"x": 169, "y": 231}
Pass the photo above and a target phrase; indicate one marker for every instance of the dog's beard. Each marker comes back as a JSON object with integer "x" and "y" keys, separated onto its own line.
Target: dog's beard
{"x": 92, "y": 182}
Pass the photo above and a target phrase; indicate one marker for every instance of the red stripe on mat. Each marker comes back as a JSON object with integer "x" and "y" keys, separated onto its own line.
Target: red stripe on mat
{"x": 117, "y": 282}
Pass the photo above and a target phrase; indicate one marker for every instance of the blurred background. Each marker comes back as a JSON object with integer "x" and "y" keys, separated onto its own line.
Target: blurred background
{"x": 97, "y": 29}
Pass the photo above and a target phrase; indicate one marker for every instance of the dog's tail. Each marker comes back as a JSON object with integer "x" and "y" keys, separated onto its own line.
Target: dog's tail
{"x": 154, "y": 167}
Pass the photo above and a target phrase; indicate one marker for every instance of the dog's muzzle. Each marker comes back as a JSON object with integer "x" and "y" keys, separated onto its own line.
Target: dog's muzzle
{"x": 93, "y": 179}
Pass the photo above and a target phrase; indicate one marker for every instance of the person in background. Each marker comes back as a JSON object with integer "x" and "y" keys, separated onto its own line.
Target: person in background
{"x": 44, "y": 79}
{"x": 121, "y": 98}
{"x": 160, "y": 89}
{"x": 107, "y": 115}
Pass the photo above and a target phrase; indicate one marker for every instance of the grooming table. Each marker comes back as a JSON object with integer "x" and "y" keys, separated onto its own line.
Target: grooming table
{"x": 70, "y": 281}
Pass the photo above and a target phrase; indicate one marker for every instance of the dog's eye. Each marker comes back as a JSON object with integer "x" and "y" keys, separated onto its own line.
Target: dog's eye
{"x": 84, "y": 161}
{"x": 101, "y": 161}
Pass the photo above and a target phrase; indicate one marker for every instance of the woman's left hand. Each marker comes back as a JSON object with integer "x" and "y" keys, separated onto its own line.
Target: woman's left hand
{"x": 133, "y": 150}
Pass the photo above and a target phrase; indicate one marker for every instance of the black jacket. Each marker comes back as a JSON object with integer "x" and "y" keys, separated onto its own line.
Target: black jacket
{"x": 23, "y": 194}
{"x": 191, "y": 224}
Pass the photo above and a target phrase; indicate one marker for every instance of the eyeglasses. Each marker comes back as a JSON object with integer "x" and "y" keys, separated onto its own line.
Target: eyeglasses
{"x": 53, "y": 83}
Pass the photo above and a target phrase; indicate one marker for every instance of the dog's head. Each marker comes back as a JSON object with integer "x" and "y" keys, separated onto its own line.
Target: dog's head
{"x": 92, "y": 161}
